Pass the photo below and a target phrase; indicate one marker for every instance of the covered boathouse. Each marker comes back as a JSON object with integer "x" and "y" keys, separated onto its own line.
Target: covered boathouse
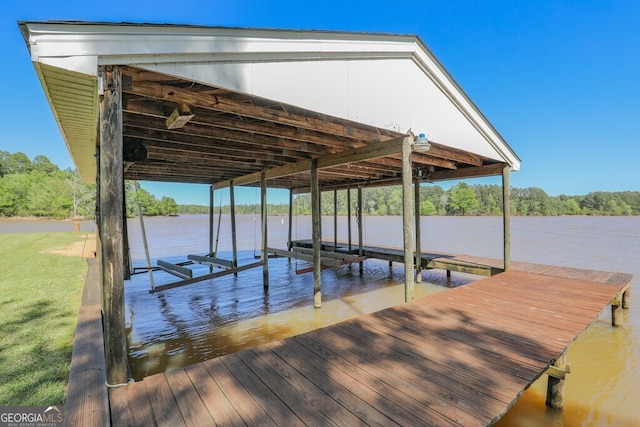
{"x": 307, "y": 111}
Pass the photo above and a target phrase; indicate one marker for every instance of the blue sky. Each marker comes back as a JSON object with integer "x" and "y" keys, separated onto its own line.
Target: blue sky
{"x": 560, "y": 80}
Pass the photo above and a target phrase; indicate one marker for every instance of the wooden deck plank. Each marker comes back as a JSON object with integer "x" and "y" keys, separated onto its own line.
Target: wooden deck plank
{"x": 508, "y": 372}
{"x": 452, "y": 328}
{"x": 393, "y": 400}
{"x": 279, "y": 411}
{"x": 194, "y": 411}
{"x": 242, "y": 398}
{"x": 352, "y": 395}
{"x": 312, "y": 405}
{"x": 460, "y": 357}
{"x": 377, "y": 360}
{"x": 87, "y": 396}
{"x": 221, "y": 410}
{"x": 165, "y": 408}
{"x": 532, "y": 310}
{"x": 132, "y": 403}
{"x": 458, "y": 400}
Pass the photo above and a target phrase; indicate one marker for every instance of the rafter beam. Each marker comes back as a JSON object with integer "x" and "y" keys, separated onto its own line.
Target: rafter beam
{"x": 379, "y": 149}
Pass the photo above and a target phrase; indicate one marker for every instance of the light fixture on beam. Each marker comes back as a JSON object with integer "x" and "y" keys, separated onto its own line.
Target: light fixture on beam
{"x": 180, "y": 116}
{"x": 421, "y": 144}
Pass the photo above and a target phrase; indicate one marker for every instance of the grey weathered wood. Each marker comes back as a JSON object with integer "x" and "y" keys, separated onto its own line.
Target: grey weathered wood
{"x": 360, "y": 227}
{"x": 263, "y": 217}
{"x": 556, "y": 386}
{"x": 418, "y": 259}
{"x": 371, "y": 151}
{"x": 335, "y": 219}
{"x": 87, "y": 397}
{"x": 211, "y": 217}
{"x": 407, "y": 213}
{"x": 110, "y": 223}
{"x": 316, "y": 235}
{"x": 349, "y": 217}
{"x": 506, "y": 216}
{"x": 232, "y": 207}
{"x": 290, "y": 235}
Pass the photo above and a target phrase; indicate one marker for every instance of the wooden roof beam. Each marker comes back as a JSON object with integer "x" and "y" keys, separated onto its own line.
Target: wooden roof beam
{"x": 222, "y": 103}
{"x": 194, "y": 130}
{"x": 379, "y": 149}
{"x": 223, "y": 121}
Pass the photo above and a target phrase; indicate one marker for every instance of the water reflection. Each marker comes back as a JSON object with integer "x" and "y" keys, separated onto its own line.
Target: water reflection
{"x": 227, "y": 314}
{"x": 179, "y": 327}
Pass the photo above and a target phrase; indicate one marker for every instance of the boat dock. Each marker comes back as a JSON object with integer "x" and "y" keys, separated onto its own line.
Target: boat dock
{"x": 460, "y": 357}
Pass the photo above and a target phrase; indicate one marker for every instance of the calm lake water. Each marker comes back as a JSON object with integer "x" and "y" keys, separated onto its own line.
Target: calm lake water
{"x": 182, "y": 326}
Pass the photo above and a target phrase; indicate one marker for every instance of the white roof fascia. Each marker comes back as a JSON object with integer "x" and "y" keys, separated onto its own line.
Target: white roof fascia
{"x": 436, "y": 72}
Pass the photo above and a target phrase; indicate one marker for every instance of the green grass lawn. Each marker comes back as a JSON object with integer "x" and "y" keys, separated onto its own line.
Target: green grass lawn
{"x": 40, "y": 294}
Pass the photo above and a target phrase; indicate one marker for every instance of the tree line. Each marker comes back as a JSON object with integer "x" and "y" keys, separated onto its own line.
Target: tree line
{"x": 465, "y": 199}
{"x": 37, "y": 187}
{"x": 461, "y": 199}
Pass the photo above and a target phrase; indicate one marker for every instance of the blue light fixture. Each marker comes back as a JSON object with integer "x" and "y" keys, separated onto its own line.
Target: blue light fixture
{"x": 421, "y": 144}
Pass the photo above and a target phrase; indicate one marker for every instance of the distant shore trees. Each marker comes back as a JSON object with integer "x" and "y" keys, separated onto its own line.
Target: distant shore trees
{"x": 39, "y": 188}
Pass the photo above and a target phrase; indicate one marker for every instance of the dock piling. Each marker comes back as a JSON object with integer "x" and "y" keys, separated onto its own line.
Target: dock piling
{"x": 555, "y": 385}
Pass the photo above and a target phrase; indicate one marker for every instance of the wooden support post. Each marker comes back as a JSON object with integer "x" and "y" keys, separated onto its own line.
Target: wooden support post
{"x": 448, "y": 277}
{"x": 626, "y": 295}
{"x": 263, "y": 215}
{"x": 232, "y": 207}
{"x": 620, "y": 302}
{"x": 111, "y": 217}
{"x": 349, "y": 218}
{"x": 616, "y": 314}
{"x": 289, "y": 241}
{"x": 418, "y": 238}
{"x": 211, "y": 217}
{"x": 360, "y": 238}
{"x": 555, "y": 383}
{"x": 316, "y": 235}
{"x": 212, "y": 194}
{"x": 407, "y": 221}
{"x": 126, "y": 254}
{"x": 506, "y": 216}
{"x": 335, "y": 220}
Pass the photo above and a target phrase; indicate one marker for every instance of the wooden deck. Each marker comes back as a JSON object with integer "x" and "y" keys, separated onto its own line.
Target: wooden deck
{"x": 460, "y": 357}
{"x": 440, "y": 260}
